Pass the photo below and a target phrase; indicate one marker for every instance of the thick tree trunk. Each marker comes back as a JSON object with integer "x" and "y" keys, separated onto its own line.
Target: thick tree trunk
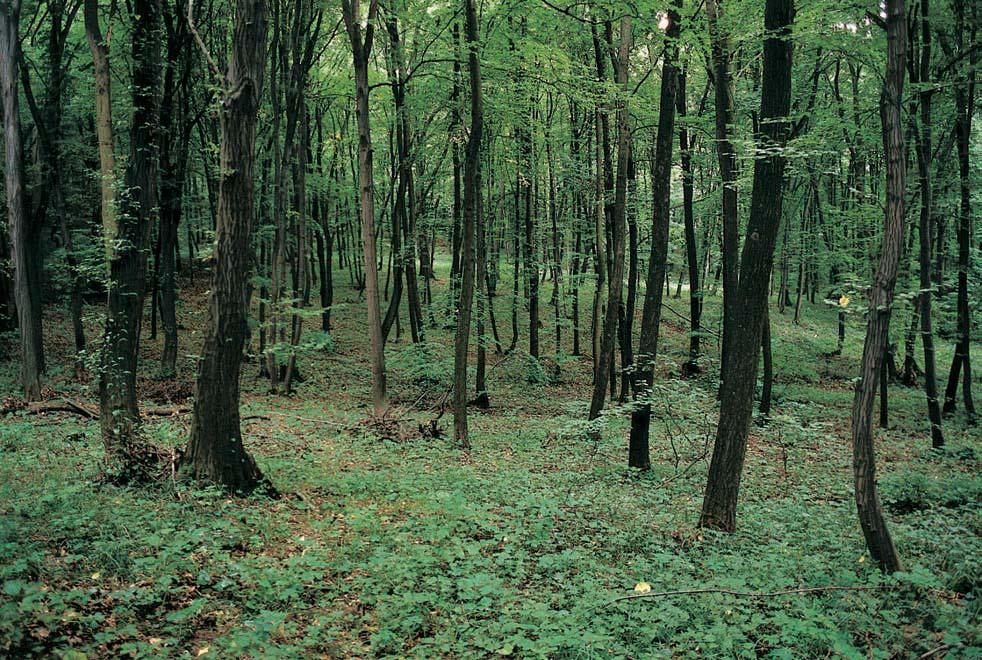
{"x": 119, "y": 409}
{"x": 740, "y": 367}
{"x": 216, "y": 452}
{"x": 21, "y": 243}
{"x": 871, "y": 518}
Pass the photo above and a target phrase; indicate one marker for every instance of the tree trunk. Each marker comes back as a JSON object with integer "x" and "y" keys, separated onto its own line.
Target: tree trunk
{"x": 361, "y": 46}
{"x": 740, "y": 367}
{"x": 661, "y": 174}
{"x": 21, "y": 243}
{"x": 926, "y": 293}
{"x": 471, "y": 211}
{"x": 119, "y": 408}
{"x": 728, "y": 174}
{"x": 104, "y": 124}
{"x": 871, "y": 518}
{"x": 216, "y": 452}
{"x": 616, "y": 284}
{"x": 691, "y": 366}
{"x": 965, "y": 108}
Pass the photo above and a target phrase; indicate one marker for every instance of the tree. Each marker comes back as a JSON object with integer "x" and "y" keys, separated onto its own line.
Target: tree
{"x": 750, "y": 303}
{"x": 620, "y": 59}
{"x": 471, "y": 210}
{"x": 361, "y": 48}
{"x": 661, "y": 211}
{"x": 22, "y": 235}
{"x": 871, "y": 518}
{"x": 119, "y": 412}
{"x": 216, "y": 452}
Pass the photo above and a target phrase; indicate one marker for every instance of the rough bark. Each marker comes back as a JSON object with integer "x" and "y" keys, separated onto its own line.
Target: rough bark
{"x": 870, "y": 511}
{"x": 661, "y": 174}
{"x": 119, "y": 408}
{"x": 741, "y": 358}
{"x": 216, "y": 452}
{"x": 20, "y": 231}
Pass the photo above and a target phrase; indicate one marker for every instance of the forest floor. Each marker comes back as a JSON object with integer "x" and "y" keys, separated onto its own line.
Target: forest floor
{"x": 387, "y": 542}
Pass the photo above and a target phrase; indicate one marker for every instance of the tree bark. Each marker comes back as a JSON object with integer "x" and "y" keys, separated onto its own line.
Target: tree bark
{"x": 471, "y": 210}
{"x": 616, "y": 284}
{"x": 216, "y": 452}
{"x": 119, "y": 408}
{"x": 21, "y": 243}
{"x": 661, "y": 174}
{"x": 361, "y": 46}
{"x": 740, "y": 366}
{"x": 870, "y": 511}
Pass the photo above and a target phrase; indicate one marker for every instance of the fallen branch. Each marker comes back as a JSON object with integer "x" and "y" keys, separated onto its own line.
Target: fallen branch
{"x": 92, "y": 412}
{"x": 747, "y": 594}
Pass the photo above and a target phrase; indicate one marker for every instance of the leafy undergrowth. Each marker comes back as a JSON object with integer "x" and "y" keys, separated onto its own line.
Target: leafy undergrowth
{"x": 388, "y": 542}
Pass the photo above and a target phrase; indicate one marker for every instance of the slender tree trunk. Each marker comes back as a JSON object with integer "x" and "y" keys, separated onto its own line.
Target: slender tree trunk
{"x": 361, "y": 45}
{"x": 728, "y": 173}
{"x": 691, "y": 366}
{"x": 472, "y": 210}
{"x": 924, "y": 157}
{"x": 740, "y": 367}
{"x": 871, "y": 518}
{"x": 965, "y": 108}
{"x": 616, "y": 285}
{"x": 216, "y": 452}
{"x": 104, "y": 124}
{"x": 661, "y": 174}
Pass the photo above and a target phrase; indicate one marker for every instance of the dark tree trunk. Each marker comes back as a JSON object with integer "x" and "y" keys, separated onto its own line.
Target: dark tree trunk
{"x": 21, "y": 233}
{"x": 119, "y": 408}
{"x": 616, "y": 284}
{"x": 728, "y": 174}
{"x": 871, "y": 518}
{"x": 661, "y": 175}
{"x": 471, "y": 212}
{"x": 965, "y": 108}
{"x": 924, "y": 157}
{"x": 361, "y": 46}
{"x": 216, "y": 452}
{"x": 740, "y": 367}
{"x": 691, "y": 366}
{"x": 174, "y": 138}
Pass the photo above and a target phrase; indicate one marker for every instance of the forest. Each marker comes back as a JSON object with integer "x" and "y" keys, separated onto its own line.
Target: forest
{"x": 490, "y": 328}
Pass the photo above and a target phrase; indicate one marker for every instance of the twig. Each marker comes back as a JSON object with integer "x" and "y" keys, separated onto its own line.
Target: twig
{"x": 747, "y": 594}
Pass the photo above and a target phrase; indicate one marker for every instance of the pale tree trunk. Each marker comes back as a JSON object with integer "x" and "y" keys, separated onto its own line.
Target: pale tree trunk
{"x": 104, "y": 124}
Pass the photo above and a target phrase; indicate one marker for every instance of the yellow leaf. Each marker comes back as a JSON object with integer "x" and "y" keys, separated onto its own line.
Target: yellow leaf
{"x": 862, "y": 558}
{"x": 96, "y": 575}
{"x": 642, "y": 587}
{"x": 844, "y": 301}
{"x": 202, "y": 651}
